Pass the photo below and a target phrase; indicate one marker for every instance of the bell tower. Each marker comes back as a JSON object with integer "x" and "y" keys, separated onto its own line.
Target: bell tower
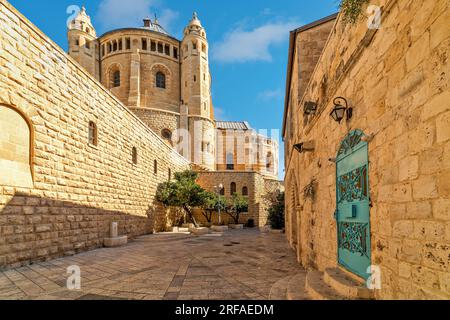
{"x": 196, "y": 78}
{"x": 196, "y": 94}
{"x": 83, "y": 46}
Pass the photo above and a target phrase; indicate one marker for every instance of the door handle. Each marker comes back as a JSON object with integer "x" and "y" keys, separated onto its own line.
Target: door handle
{"x": 354, "y": 211}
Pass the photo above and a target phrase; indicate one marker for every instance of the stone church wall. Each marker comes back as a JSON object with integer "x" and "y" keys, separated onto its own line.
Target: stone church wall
{"x": 77, "y": 188}
{"x": 259, "y": 190}
{"x": 397, "y": 80}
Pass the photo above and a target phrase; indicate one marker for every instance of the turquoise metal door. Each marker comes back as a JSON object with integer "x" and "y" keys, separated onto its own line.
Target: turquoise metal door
{"x": 353, "y": 205}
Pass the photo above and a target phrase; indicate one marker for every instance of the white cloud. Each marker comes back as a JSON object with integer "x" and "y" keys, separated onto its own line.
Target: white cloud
{"x": 219, "y": 114}
{"x": 120, "y": 14}
{"x": 254, "y": 45}
{"x": 167, "y": 18}
{"x": 270, "y": 94}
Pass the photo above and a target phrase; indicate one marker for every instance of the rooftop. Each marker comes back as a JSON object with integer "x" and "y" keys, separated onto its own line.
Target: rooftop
{"x": 154, "y": 26}
{"x": 233, "y": 125}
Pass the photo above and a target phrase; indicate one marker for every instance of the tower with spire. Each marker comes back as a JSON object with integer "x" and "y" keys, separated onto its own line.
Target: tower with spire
{"x": 83, "y": 46}
{"x": 196, "y": 93}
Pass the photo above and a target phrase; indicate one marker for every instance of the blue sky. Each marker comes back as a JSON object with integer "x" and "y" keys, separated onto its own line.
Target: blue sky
{"x": 248, "y": 43}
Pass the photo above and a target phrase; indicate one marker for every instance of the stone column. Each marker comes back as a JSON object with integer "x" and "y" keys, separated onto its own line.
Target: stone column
{"x": 134, "y": 99}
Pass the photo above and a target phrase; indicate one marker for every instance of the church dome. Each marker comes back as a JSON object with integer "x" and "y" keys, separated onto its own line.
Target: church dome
{"x": 154, "y": 26}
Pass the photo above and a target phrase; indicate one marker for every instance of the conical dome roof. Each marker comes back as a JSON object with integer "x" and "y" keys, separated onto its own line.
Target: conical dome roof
{"x": 82, "y": 22}
{"x": 195, "y": 21}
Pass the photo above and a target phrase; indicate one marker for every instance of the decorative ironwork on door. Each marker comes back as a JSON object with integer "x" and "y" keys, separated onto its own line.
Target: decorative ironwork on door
{"x": 352, "y": 236}
{"x": 353, "y": 185}
{"x": 352, "y": 201}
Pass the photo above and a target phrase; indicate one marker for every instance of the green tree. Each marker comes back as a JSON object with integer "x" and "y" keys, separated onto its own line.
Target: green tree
{"x": 276, "y": 212}
{"x": 212, "y": 204}
{"x": 183, "y": 192}
{"x": 236, "y": 205}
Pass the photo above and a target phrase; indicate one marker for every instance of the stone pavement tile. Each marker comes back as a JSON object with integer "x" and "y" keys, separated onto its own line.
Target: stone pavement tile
{"x": 155, "y": 267}
{"x": 171, "y": 296}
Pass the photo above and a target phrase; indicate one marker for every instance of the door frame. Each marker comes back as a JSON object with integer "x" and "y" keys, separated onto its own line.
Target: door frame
{"x": 352, "y": 142}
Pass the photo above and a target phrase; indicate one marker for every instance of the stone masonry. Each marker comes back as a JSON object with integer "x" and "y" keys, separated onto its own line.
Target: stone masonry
{"x": 259, "y": 187}
{"x": 397, "y": 80}
{"x": 77, "y": 188}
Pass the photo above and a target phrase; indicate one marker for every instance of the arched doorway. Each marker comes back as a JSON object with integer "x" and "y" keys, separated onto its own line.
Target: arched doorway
{"x": 16, "y": 137}
{"x": 353, "y": 198}
{"x": 292, "y": 216}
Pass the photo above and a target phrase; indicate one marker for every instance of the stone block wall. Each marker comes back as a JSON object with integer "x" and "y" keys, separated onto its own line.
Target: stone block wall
{"x": 78, "y": 188}
{"x": 397, "y": 80}
{"x": 158, "y": 120}
{"x": 259, "y": 189}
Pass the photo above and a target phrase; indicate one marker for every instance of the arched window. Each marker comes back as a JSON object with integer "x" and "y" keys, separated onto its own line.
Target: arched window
{"x": 269, "y": 161}
{"x": 222, "y": 191}
{"x": 16, "y": 141}
{"x": 170, "y": 174}
{"x": 115, "y": 81}
{"x": 93, "y": 133}
{"x": 134, "y": 155}
{"x": 245, "y": 191}
{"x": 230, "y": 161}
{"x": 160, "y": 80}
{"x": 155, "y": 167}
{"x": 166, "y": 134}
{"x": 233, "y": 188}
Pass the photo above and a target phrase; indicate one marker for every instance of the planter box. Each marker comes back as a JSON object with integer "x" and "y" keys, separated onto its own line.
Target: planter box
{"x": 276, "y": 231}
{"x": 219, "y": 228}
{"x": 199, "y": 231}
{"x": 236, "y": 226}
{"x": 115, "y": 242}
{"x": 180, "y": 230}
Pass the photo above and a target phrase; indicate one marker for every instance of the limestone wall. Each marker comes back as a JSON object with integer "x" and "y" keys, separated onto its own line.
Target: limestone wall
{"x": 158, "y": 120}
{"x": 259, "y": 188}
{"x": 78, "y": 188}
{"x": 141, "y": 84}
{"x": 397, "y": 80}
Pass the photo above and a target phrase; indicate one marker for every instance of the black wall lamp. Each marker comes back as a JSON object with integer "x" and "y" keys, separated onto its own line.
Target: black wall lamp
{"x": 304, "y": 147}
{"x": 309, "y": 107}
{"x": 341, "y": 110}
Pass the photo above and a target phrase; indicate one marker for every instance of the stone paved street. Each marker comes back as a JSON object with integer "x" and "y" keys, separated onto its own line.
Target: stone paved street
{"x": 238, "y": 265}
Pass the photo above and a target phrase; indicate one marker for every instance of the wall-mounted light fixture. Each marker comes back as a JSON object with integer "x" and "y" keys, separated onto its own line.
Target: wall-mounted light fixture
{"x": 310, "y": 107}
{"x": 341, "y": 110}
{"x": 304, "y": 146}
{"x": 367, "y": 138}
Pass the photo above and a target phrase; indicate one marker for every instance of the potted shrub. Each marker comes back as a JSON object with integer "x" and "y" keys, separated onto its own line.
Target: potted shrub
{"x": 276, "y": 213}
{"x": 237, "y": 205}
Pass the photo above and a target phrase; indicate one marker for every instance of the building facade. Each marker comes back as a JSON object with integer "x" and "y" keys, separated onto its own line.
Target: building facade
{"x": 368, "y": 195}
{"x": 167, "y": 84}
{"x": 86, "y": 138}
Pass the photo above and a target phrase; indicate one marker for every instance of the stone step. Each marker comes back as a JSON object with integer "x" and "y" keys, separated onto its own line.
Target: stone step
{"x": 279, "y": 289}
{"x": 346, "y": 285}
{"x": 296, "y": 289}
{"x": 317, "y": 289}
